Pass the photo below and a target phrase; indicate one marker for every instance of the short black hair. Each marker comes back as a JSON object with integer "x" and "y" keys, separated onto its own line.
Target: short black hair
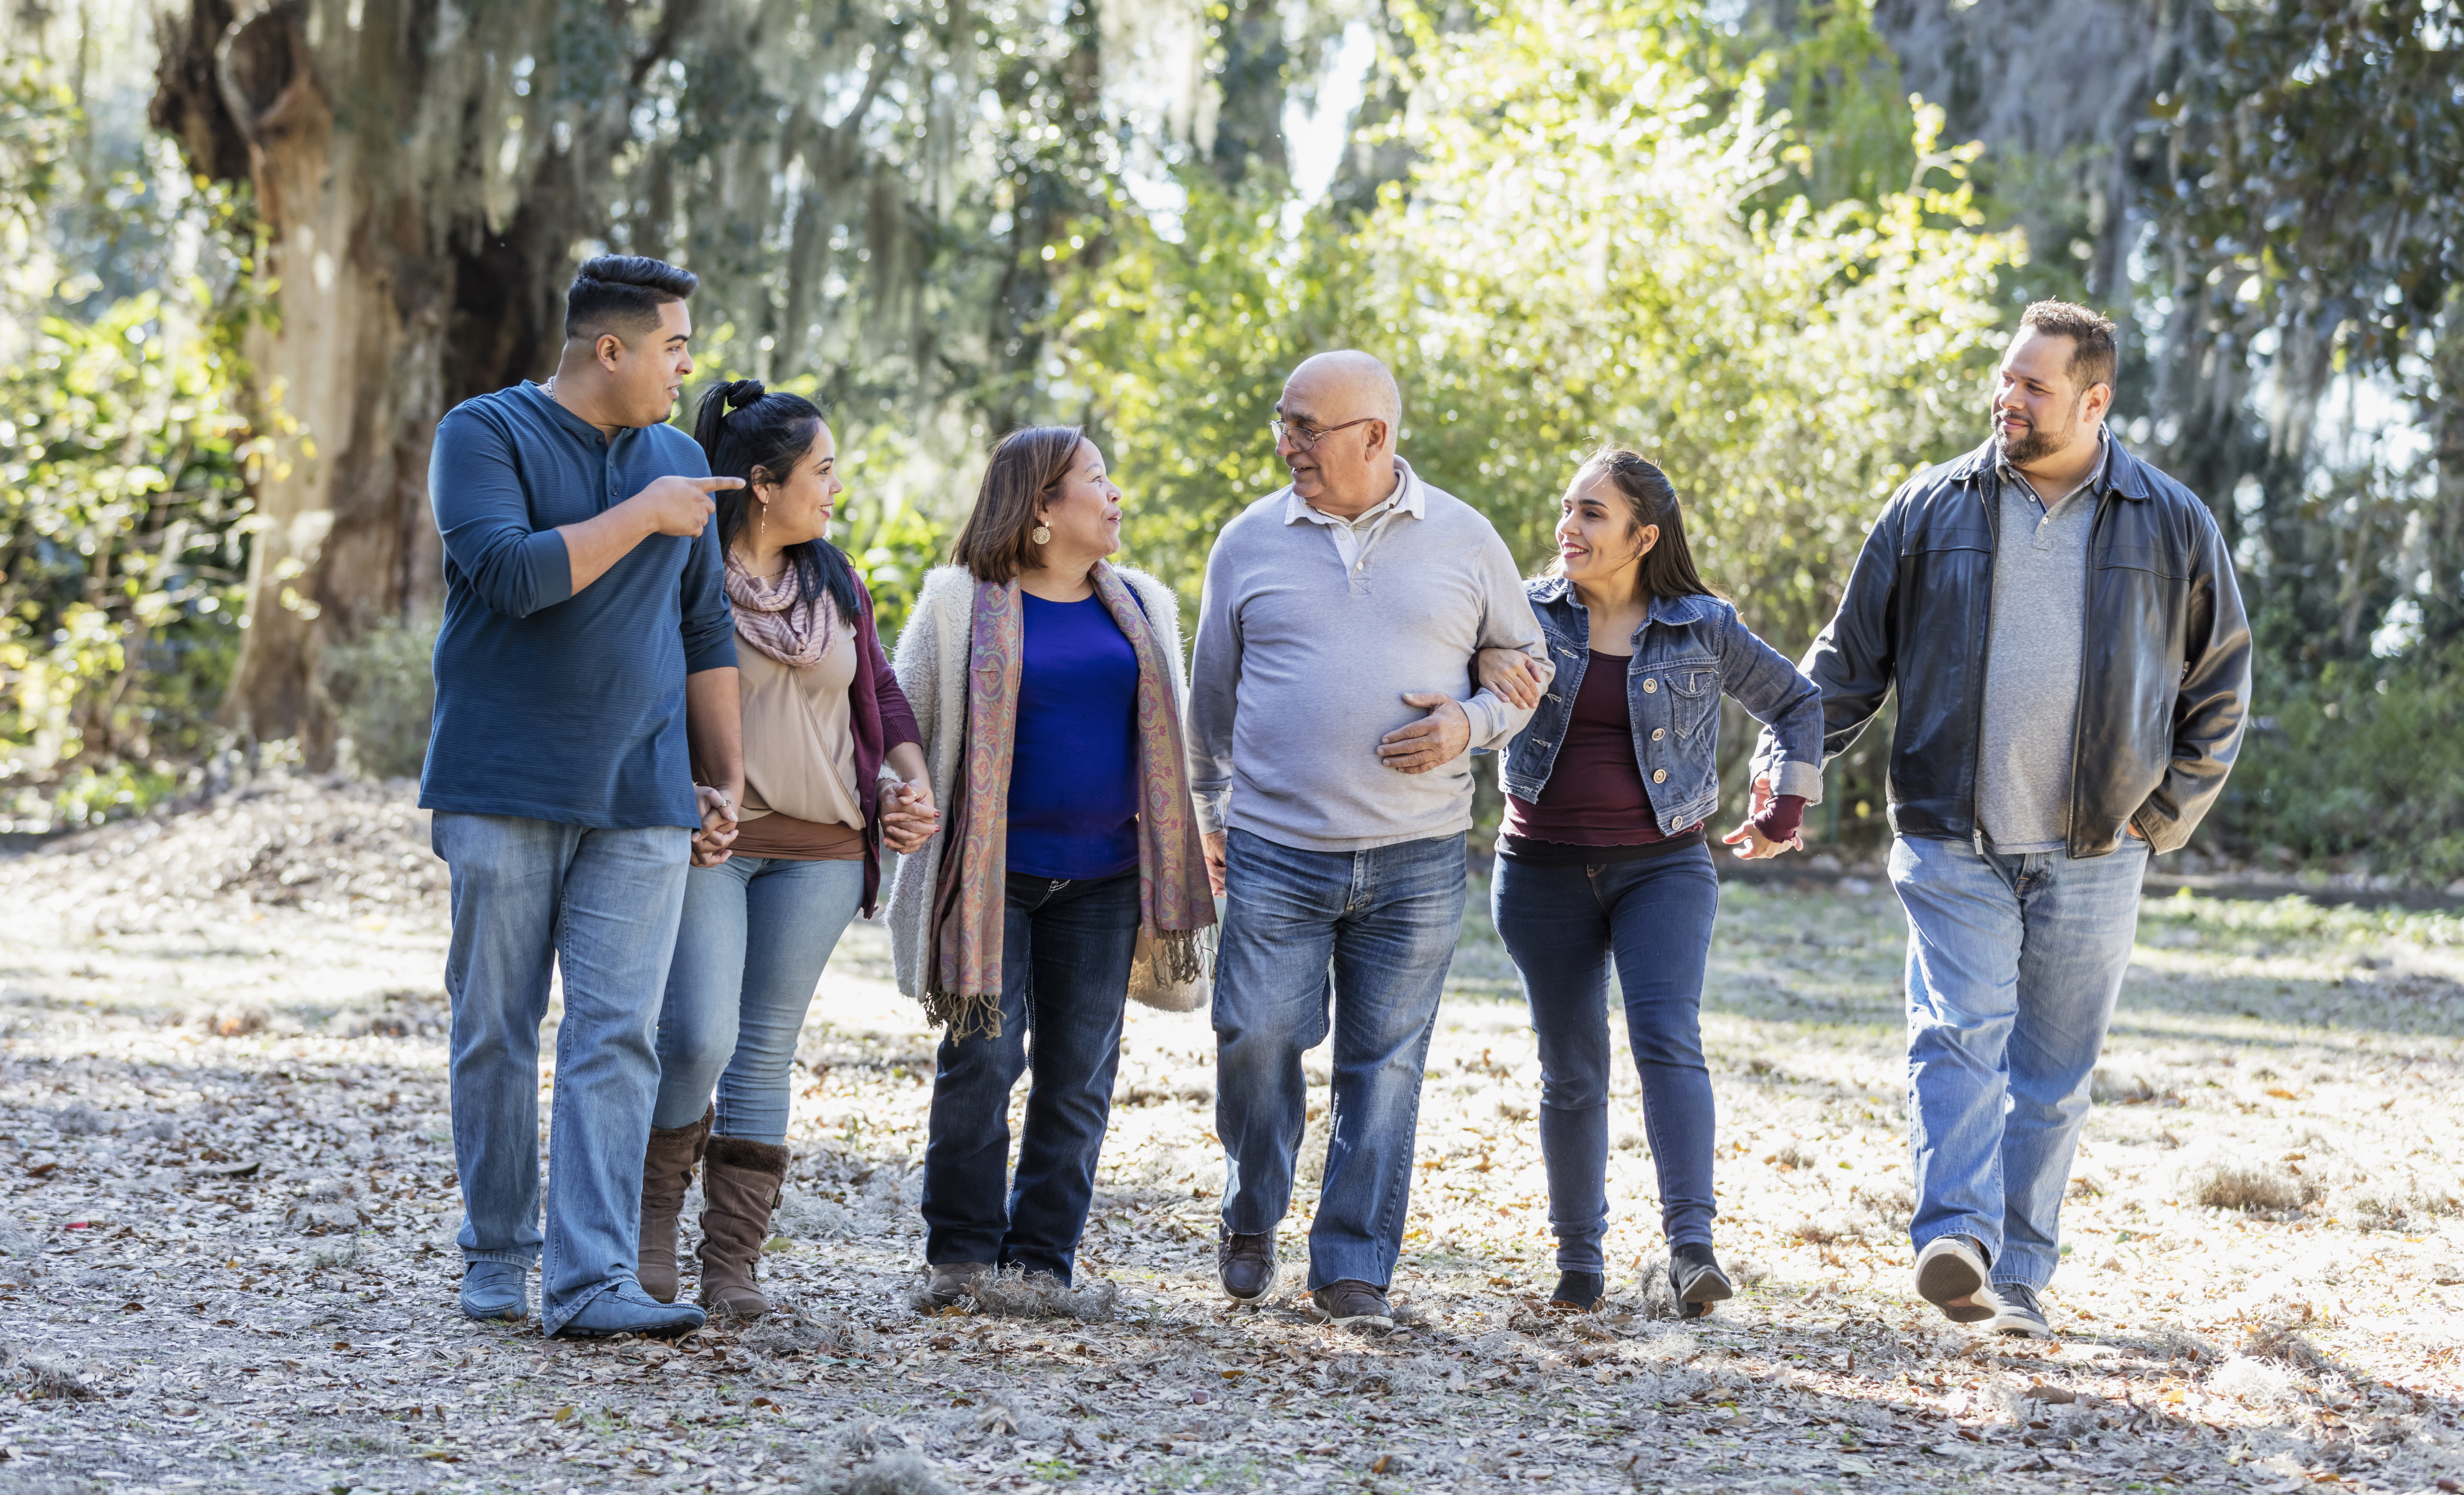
{"x": 2095, "y": 357}
{"x": 622, "y": 294}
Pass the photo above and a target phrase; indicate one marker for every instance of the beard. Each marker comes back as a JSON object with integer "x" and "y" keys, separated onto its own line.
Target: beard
{"x": 2033, "y": 443}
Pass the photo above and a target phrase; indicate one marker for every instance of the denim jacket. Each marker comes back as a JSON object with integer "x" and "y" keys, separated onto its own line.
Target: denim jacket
{"x": 1688, "y": 650}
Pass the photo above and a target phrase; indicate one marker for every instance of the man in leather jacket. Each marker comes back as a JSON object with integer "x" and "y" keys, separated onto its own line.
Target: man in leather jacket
{"x": 2073, "y": 664}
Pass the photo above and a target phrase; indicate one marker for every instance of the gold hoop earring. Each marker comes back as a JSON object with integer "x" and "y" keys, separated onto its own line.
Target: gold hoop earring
{"x": 1040, "y": 535}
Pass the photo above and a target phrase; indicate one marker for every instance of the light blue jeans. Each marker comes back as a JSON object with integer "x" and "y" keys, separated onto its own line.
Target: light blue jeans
{"x": 2014, "y": 963}
{"x": 1375, "y": 931}
{"x": 600, "y": 907}
{"x": 757, "y": 933}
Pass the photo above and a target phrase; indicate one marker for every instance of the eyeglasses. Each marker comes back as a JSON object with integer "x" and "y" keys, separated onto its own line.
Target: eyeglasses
{"x": 1303, "y": 438}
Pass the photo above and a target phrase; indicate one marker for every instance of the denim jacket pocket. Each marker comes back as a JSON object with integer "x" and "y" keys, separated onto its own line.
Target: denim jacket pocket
{"x": 1693, "y": 698}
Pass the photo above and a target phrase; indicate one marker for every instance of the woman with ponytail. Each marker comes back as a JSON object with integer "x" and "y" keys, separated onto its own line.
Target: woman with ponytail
{"x": 1602, "y": 860}
{"x": 832, "y": 772}
{"x": 1047, "y": 686}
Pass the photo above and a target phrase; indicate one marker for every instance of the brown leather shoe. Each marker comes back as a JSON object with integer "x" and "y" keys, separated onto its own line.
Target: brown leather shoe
{"x": 1350, "y": 1304}
{"x": 666, "y": 1173}
{"x": 740, "y": 1185}
{"x": 1247, "y": 1266}
{"x": 952, "y": 1281}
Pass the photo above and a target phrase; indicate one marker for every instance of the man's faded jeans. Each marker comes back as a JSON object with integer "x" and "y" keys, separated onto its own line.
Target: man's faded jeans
{"x": 2014, "y": 963}
{"x": 1375, "y": 931}
{"x": 601, "y": 906}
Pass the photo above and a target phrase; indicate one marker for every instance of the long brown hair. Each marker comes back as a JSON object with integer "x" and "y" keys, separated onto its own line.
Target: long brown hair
{"x": 1668, "y": 568}
{"x": 1027, "y": 465}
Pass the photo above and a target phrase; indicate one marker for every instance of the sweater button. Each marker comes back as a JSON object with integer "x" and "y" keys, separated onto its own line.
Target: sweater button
{"x": 1650, "y": 686}
{"x": 1657, "y": 733}
{"x": 1660, "y": 776}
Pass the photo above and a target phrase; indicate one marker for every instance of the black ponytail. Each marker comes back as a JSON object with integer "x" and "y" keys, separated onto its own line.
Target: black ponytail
{"x": 745, "y": 430}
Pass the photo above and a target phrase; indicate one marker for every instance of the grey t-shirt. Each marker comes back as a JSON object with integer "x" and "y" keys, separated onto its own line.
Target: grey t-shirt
{"x": 2031, "y": 672}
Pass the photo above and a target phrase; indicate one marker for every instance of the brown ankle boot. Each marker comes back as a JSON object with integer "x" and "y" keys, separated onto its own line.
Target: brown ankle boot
{"x": 666, "y": 1172}
{"x": 740, "y": 1185}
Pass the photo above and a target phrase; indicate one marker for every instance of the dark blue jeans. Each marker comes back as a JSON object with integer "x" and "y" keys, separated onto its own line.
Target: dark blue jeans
{"x": 1066, "y": 949}
{"x": 1375, "y": 932}
{"x": 1563, "y": 925}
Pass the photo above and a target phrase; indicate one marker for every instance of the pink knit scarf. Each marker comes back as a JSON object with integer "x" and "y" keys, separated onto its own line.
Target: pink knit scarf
{"x": 777, "y": 617}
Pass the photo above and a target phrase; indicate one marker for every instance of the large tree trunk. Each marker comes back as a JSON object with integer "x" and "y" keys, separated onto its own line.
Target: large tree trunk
{"x": 383, "y": 312}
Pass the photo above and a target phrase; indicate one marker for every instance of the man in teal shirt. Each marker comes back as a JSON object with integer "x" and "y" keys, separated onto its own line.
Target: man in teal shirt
{"x": 584, "y": 670}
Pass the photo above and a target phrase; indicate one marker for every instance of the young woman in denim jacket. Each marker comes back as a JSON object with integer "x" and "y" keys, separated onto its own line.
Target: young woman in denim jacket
{"x": 1602, "y": 855}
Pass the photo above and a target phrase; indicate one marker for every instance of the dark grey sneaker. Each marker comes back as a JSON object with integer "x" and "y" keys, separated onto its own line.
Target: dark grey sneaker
{"x": 1247, "y": 1266}
{"x": 2017, "y": 1312}
{"x": 1353, "y": 1304}
{"x": 1951, "y": 1275}
{"x": 1579, "y": 1292}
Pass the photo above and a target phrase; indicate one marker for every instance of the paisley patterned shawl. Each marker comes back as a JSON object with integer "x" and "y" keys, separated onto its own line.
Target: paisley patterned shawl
{"x": 962, "y": 978}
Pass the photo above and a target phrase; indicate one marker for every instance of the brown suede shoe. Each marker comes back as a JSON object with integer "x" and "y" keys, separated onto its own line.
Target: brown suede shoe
{"x": 952, "y": 1281}
{"x": 740, "y": 1185}
{"x": 1351, "y": 1304}
{"x": 666, "y": 1173}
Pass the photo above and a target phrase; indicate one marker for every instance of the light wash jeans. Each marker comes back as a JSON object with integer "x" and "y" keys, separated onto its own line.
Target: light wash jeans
{"x": 600, "y": 907}
{"x": 1563, "y": 924}
{"x": 757, "y": 933}
{"x": 1375, "y": 931}
{"x": 2014, "y": 963}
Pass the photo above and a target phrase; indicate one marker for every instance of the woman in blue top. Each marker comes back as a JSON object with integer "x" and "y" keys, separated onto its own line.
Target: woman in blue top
{"x": 1047, "y": 689}
{"x": 1602, "y": 857}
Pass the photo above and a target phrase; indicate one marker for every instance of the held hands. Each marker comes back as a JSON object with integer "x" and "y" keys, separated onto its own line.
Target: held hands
{"x": 1431, "y": 742}
{"x": 909, "y": 817}
{"x": 1752, "y": 844}
{"x": 717, "y": 831}
{"x": 680, "y": 505}
{"x": 1510, "y": 674}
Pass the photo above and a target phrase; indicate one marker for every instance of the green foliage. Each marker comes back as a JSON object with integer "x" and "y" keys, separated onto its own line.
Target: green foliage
{"x": 2361, "y": 762}
{"x": 1577, "y": 264}
{"x": 122, "y": 518}
{"x": 1590, "y": 250}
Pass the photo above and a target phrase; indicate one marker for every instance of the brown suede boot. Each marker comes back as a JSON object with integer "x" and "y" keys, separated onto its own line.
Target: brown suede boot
{"x": 666, "y": 1172}
{"x": 740, "y": 1185}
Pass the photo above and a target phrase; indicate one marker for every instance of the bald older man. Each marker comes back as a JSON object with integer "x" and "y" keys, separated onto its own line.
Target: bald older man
{"x": 1329, "y": 716}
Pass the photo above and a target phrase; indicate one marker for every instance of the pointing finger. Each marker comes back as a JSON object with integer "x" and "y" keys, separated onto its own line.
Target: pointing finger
{"x": 716, "y": 484}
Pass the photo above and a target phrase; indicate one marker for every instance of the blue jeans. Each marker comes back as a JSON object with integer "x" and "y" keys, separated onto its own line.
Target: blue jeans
{"x": 1066, "y": 950}
{"x": 1375, "y": 931}
{"x": 2014, "y": 963}
{"x": 598, "y": 907}
{"x": 1563, "y": 925}
{"x": 757, "y": 933}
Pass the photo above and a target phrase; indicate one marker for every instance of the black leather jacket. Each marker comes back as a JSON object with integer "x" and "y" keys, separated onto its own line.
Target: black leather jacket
{"x": 2163, "y": 669}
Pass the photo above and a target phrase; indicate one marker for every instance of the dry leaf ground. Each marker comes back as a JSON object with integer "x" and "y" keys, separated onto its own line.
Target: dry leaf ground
{"x": 226, "y": 1255}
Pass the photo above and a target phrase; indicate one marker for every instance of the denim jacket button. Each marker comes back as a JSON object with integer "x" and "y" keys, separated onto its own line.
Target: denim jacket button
{"x": 1657, "y": 733}
{"x": 1660, "y": 776}
{"x": 1650, "y": 686}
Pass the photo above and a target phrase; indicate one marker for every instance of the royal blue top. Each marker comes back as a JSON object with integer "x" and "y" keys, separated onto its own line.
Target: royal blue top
{"x": 1074, "y": 776}
{"x": 554, "y": 704}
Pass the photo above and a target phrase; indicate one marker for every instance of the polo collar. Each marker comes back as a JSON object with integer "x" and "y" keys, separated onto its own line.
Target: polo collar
{"x": 1408, "y": 496}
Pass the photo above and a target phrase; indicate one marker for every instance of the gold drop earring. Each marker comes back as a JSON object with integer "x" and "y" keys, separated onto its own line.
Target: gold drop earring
{"x": 1041, "y": 534}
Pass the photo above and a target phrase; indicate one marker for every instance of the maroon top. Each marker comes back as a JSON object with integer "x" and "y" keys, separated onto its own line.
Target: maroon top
{"x": 1594, "y": 796}
{"x": 879, "y": 720}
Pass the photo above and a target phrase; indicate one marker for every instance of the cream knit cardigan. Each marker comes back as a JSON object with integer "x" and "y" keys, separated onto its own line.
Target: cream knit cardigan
{"x": 931, "y": 669}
